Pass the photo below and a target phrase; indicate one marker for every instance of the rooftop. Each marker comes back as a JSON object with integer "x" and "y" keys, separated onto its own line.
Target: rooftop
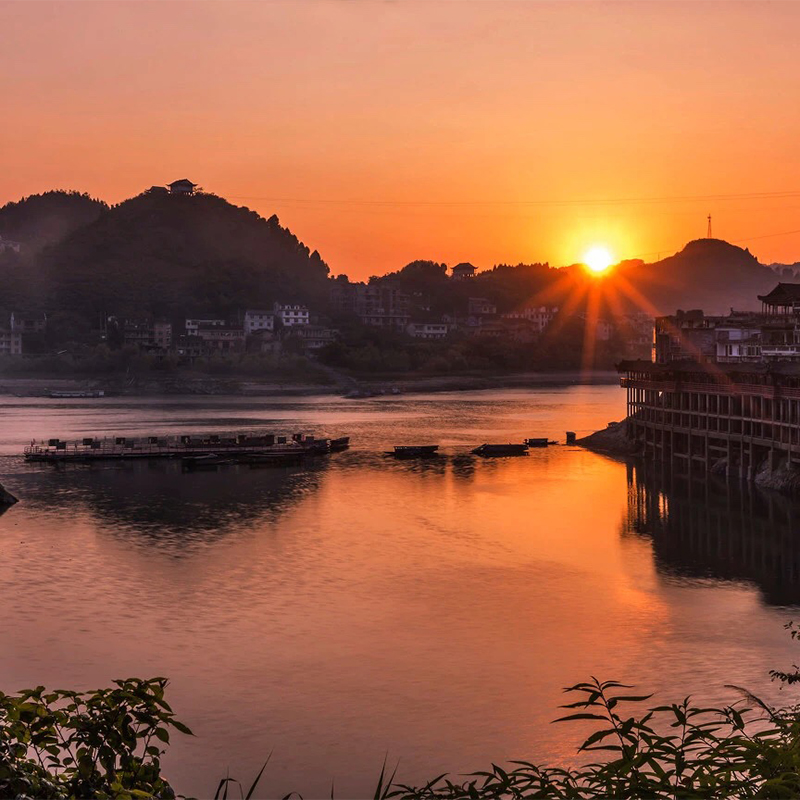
{"x": 784, "y": 294}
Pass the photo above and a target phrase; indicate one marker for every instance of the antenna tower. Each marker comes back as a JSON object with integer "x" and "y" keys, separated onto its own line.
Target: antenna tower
{"x": 708, "y": 234}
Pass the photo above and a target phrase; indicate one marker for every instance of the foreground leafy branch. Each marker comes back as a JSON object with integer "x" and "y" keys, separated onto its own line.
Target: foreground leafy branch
{"x": 100, "y": 744}
{"x": 745, "y": 750}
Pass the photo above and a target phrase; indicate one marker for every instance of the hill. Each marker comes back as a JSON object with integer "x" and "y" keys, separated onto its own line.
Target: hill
{"x": 40, "y": 220}
{"x": 708, "y": 273}
{"x": 165, "y": 255}
{"x": 169, "y": 256}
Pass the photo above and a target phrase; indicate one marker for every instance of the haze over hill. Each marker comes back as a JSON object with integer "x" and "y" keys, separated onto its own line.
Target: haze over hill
{"x": 163, "y": 255}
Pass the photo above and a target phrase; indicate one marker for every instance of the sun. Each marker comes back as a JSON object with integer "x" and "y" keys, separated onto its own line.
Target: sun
{"x": 598, "y": 259}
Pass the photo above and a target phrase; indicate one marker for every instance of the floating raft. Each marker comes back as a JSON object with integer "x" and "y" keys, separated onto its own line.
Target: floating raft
{"x": 220, "y": 446}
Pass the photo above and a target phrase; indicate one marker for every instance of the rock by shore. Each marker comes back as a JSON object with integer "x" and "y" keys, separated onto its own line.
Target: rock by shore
{"x": 784, "y": 478}
{"x": 612, "y": 440}
{"x": 6, "y": 498}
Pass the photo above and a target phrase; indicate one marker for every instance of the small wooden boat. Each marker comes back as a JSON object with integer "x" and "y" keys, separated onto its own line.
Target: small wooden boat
{"x": 542, "y": 442}
{"x": 69, "y": 394}
{"x": 414, "y": 451}
{"x": 492, "y": 450}
{"x": 342, "y": 443}
{"x": 311, "y": 445}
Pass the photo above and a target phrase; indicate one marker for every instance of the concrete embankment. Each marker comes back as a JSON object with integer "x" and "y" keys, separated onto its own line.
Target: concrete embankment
{"x": 782, "y": 477}
{"x": 611, "y": 440}
{"x": 6, "y": 498}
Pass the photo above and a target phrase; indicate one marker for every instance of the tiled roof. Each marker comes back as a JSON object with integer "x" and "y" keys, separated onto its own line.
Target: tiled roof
{"x": 784, "y": 294}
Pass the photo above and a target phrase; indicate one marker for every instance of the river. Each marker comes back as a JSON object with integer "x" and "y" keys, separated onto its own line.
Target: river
{"x": 363, "y": 606}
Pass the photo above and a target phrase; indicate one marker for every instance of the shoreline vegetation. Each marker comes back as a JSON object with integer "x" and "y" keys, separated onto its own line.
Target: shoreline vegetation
{"x": 108, "y": 743}
{"x": 327, "y": 382}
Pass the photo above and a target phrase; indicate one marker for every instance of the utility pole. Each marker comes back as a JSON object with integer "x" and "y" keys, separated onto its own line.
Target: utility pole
{"x": 708, "y": 235}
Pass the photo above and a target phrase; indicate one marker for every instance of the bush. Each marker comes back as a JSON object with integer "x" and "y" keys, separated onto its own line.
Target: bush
{"x": 100, "y": 744}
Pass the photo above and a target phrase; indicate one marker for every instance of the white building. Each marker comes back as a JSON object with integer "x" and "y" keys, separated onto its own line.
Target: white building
{"x": 258, "y": 320}
{"x": 291, "y": 314}
{"x": 427, "y": 330}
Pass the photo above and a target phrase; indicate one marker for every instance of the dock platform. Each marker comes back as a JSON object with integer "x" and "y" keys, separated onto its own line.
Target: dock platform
{"x": 184, "y": 446}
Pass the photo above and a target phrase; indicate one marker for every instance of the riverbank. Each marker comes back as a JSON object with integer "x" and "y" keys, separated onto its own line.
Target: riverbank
{"x": 339, "y": 383}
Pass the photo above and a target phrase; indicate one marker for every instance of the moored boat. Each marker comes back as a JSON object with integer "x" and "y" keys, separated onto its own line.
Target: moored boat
{"x": 491, "y": 450}
{"x": 65, "y": 394}
{"x": 414, "y": 451}
{"x": 342, "y": 443}
{"x": 312, "y": 445}
{"x": 538, "y": 442}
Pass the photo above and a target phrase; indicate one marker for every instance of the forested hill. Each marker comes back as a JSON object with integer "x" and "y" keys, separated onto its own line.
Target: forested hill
{"x": 708, "y": 273}
{"x": 43, "y": 219}
{"x": 168, "y": 255}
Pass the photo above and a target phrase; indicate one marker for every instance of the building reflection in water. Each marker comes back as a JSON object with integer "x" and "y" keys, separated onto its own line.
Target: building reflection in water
{"x": 710, "y": 527}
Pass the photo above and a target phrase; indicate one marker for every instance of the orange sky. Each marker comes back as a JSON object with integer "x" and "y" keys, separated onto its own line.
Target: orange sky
{"x": 384, "y": 131}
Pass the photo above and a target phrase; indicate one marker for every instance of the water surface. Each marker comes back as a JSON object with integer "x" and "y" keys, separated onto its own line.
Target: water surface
{"x": 362, "y": 606}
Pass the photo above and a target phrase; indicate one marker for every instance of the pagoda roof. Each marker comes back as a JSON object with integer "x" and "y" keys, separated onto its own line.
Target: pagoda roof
{"x": 784, "y": 294}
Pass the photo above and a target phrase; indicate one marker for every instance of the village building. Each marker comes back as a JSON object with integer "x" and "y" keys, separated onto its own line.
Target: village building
{"x": 427, "y": 330}
{"x": 137, "y": 333}
{"x": 6, "y": 245}
{"x": 162, "y": 334}
{"x": 10, "y": 343}
{"x": 188, "y": 348}
{"x": 291, "y": 314}
{"x": 481, "y": 307}
{"x": 516, "y": 330}
{"x": 463, "y": 271}
{"x": 221, "y": 339}
{"x": 721, "y": 392}
{"x": 539, "y": 316}
{"x": 147, "y": 334}
{"x": 28, "y": 322}
{"x": 183, "y": 186}
{"x": 258, "y": 320}
{"x": 313, "y": 337}
{"x": 193, "y": 325}
{"x": 380, "y": 304}
{"x": 263, "y": 341}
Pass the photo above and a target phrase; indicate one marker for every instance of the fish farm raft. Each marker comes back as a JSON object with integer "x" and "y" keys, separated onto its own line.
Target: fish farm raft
{"x": 232, "y": 446}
